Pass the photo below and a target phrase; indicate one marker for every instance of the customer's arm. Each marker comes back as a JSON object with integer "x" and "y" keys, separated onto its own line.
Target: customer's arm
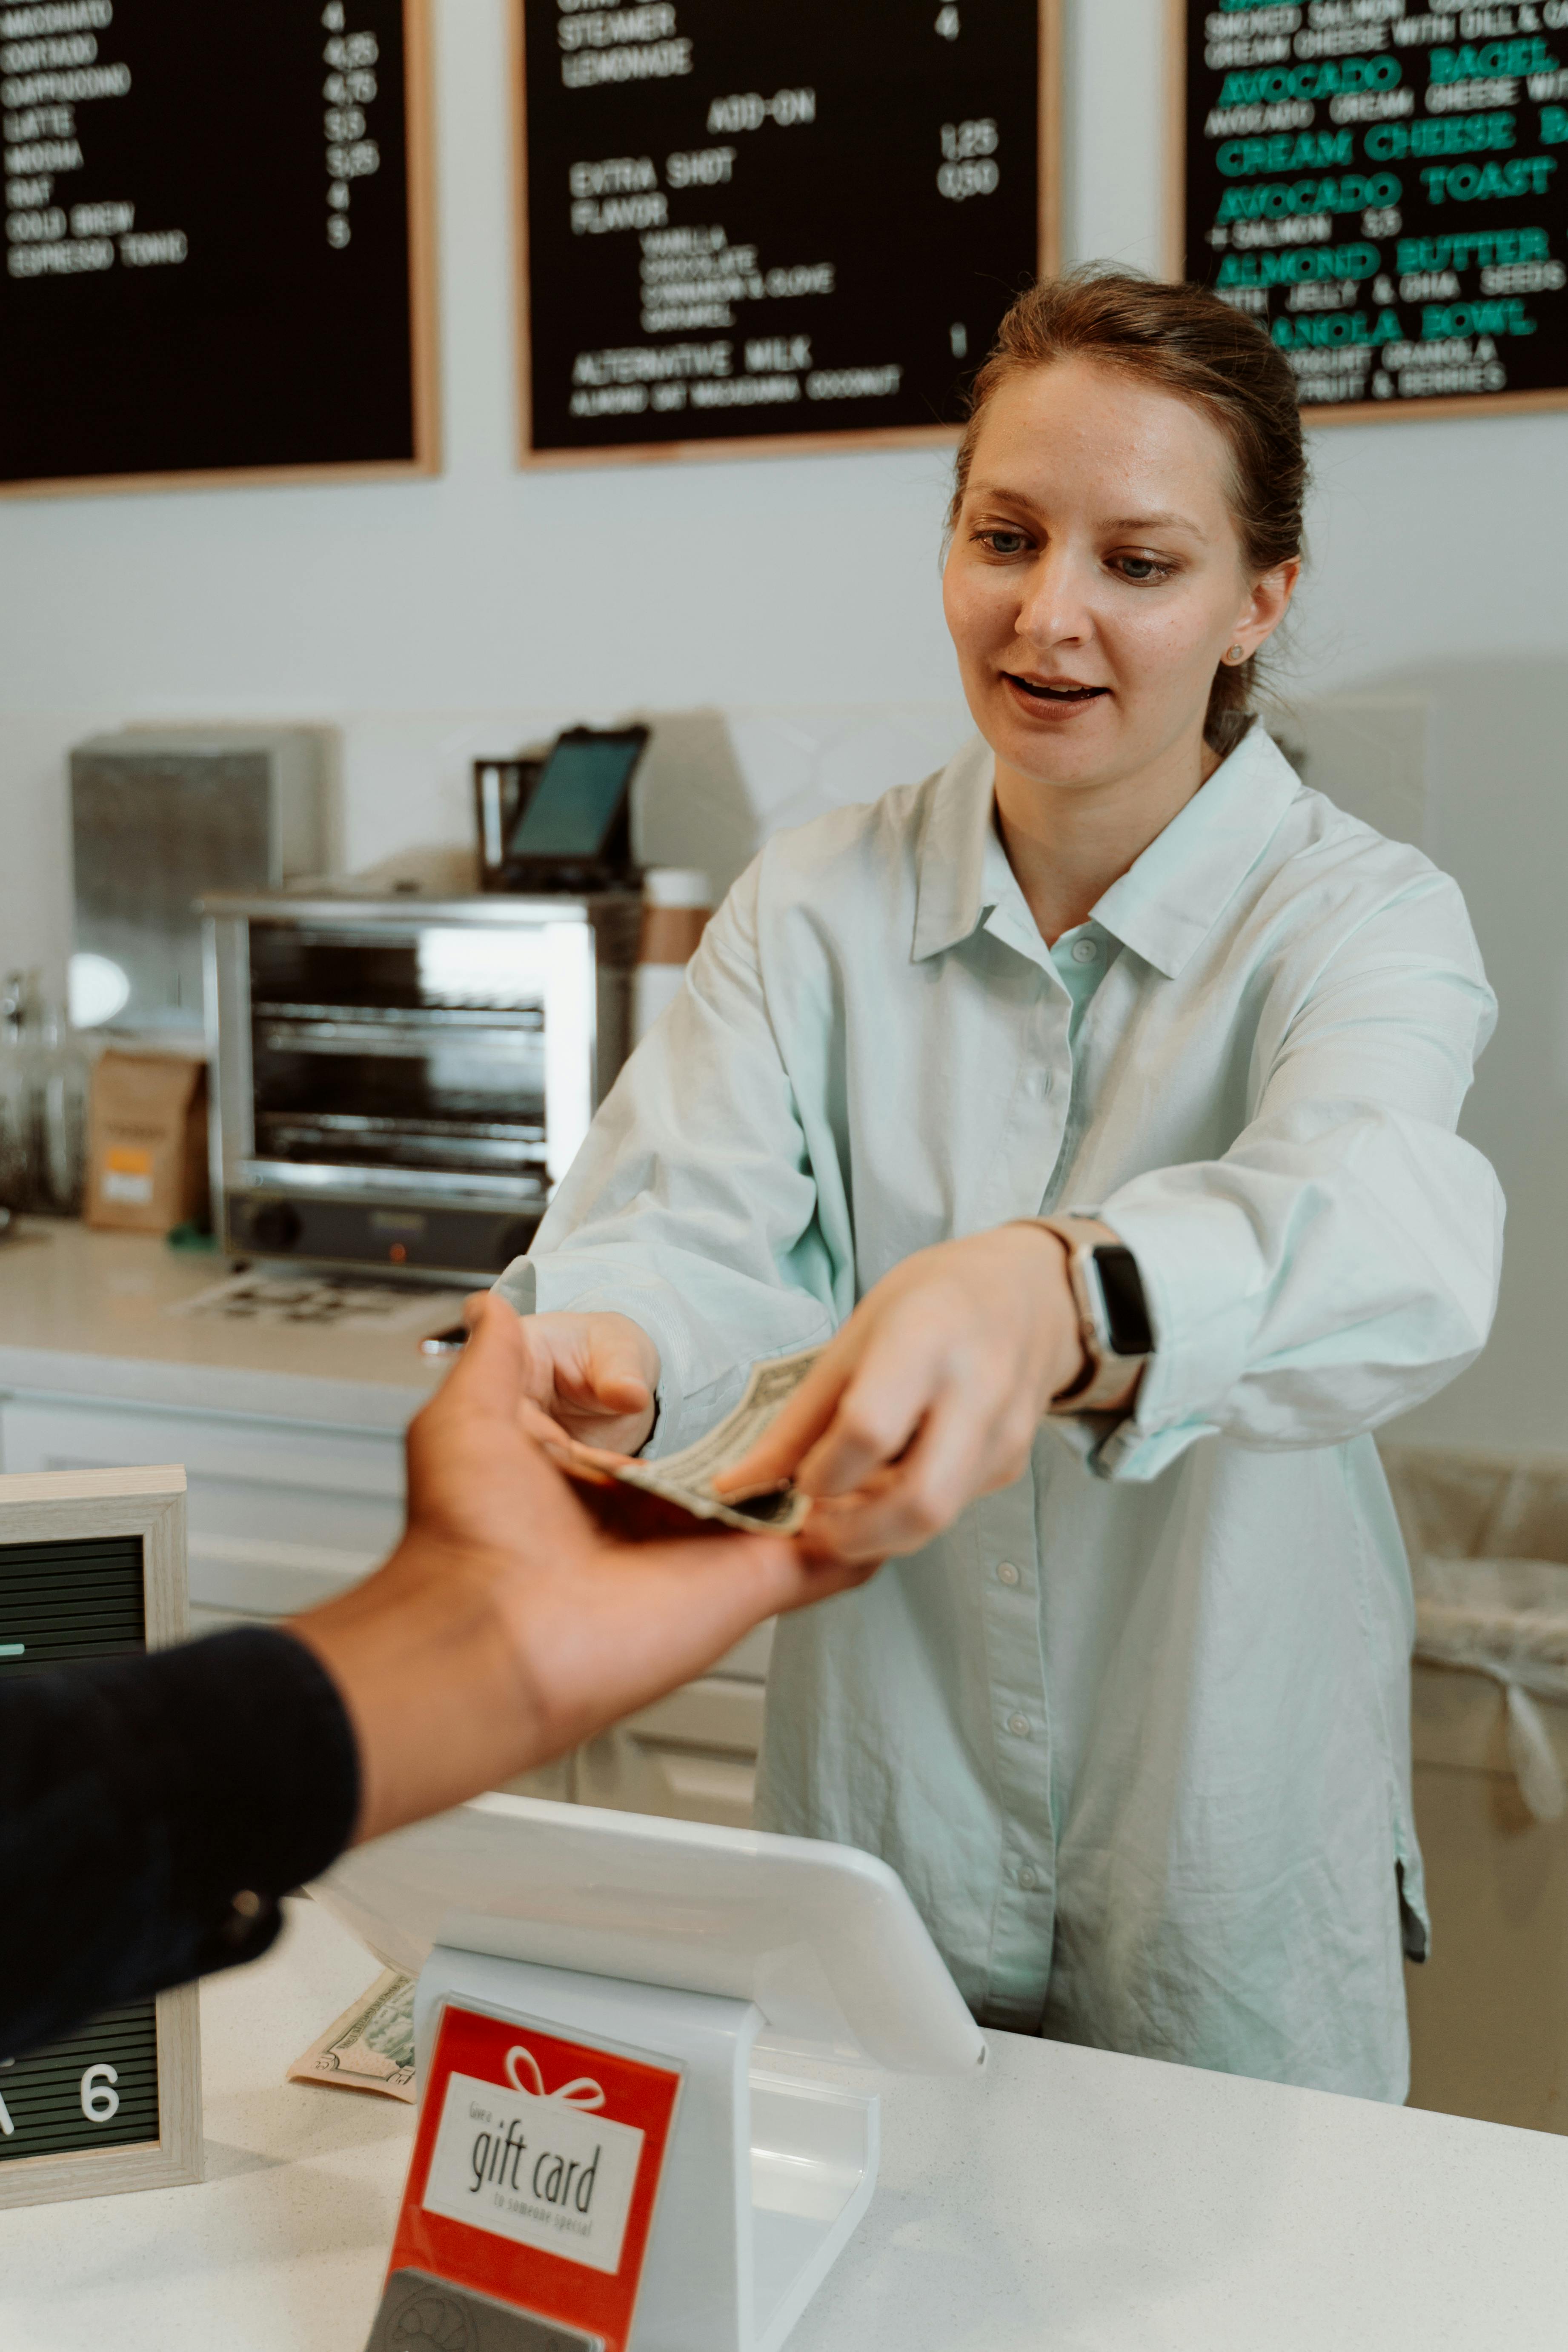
{"x": 154, "y": 1810}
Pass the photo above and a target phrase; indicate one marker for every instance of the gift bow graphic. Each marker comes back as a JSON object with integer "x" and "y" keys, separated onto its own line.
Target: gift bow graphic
{"x": 581, "y": 2092}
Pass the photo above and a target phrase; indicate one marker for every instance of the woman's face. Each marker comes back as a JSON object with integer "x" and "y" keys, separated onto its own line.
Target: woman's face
{"x": 1096, "y": 577}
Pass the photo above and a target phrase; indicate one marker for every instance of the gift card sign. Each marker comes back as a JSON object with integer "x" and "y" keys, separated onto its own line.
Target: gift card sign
{"x": 535, "y": 2169}
{"x": 540, "y": 2173}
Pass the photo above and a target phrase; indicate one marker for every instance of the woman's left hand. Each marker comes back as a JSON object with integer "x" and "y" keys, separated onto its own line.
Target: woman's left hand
{"x": 930, "y": 1396}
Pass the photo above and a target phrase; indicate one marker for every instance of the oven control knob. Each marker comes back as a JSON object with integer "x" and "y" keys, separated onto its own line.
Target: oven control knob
{"x": 274, "y": 1225}
{"x": 514, "y": 1240}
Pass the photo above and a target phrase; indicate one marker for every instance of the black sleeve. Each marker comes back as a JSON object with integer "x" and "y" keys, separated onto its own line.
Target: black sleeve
{"x": 152, "y": 1810}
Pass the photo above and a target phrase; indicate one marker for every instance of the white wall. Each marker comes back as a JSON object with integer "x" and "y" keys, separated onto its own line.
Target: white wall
{"x": 789, "y": 609}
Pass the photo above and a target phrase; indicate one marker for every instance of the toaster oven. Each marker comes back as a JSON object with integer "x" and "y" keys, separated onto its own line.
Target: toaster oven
{"x": 400, "y": 1083}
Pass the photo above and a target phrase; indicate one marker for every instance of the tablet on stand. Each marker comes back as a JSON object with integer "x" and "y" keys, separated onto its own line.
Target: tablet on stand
{"x": 625, "y": 2138}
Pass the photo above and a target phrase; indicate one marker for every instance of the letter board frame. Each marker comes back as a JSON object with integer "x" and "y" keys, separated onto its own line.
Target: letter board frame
{"x": 1182, "y": 17}
{"x": 95, "y": 1508}
{"x": 1047, "y": 115}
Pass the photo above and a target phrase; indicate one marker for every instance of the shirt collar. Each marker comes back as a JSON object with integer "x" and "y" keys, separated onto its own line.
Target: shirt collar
{"x": 950, "y": 892}
{"x": 1169, "y": 898}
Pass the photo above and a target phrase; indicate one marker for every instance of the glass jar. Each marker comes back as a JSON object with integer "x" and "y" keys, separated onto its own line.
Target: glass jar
{"x": 60, "y": 1072}
{"x": 17, "y": 1111}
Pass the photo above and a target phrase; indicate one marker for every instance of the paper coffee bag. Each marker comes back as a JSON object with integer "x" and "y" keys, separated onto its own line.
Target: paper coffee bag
{"x": 147, "y": 1158}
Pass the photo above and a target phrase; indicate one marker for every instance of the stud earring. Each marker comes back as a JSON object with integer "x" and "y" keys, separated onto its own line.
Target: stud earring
{"x": 1236, "y": 653}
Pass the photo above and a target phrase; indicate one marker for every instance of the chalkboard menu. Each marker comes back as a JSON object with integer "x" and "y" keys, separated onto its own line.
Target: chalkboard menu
{"x": 217, "y": 242}
{"x": 790, "y": 221}
{"x": 1384, "y": 188}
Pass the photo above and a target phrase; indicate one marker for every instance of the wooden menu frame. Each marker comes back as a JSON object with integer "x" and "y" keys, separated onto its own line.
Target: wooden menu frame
{"x": 425, "y": 352}
{"x": 767, "y": 445}
{"x": 1359, "y": 411}
{"x": 62, "y": 1507}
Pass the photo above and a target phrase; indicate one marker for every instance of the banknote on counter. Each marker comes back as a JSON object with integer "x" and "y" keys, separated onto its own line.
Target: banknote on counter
{"x": 371, "y": 2046}
{"x": 666, "y": 1495}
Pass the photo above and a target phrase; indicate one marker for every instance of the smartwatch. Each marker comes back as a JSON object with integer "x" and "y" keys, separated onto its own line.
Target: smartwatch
{"x": 1112, "y": 1313}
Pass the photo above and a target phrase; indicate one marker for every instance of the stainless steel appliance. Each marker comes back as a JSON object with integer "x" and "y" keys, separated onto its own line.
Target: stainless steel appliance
{"x": 158, "y": 818}
{"x": 401, "y": 1082}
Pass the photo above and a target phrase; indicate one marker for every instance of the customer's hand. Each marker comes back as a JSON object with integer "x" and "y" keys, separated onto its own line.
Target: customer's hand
{"x": 593, "y": 1376}
{"x": 506, "y": 1627}
{"x": 930, "y": 1396}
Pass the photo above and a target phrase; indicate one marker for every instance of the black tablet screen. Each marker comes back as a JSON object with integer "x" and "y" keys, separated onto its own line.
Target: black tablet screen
{"x": 577, "y": 797}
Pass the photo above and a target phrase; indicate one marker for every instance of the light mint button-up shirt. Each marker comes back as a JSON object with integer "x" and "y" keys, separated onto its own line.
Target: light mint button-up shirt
{"x": 1135, "y": 1731}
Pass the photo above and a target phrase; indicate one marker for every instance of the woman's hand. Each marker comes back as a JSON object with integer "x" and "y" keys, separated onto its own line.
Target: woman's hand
{"x": 930, "y": 1396}
{"x": 506, "y": 1627}
{"x": 593, "y": 1376}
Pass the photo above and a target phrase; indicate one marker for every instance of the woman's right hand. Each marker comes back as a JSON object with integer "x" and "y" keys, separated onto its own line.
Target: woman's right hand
{"x": 593, "y": 1376}
{"x": 507, "y": 1627}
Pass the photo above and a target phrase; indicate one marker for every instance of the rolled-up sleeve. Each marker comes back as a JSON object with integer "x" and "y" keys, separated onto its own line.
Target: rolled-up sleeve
{"x": 1339, "y": 1262}
{"x": 693, "y": 1205}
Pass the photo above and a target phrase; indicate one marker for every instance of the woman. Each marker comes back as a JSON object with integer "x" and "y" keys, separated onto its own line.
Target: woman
{"x": 1130, "y": 1712}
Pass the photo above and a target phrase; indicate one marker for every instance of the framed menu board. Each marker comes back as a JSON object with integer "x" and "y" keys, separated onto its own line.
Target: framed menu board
{"x": 218, "y": 242}
{"x": 1384, "y": 188}
{"x": 790, "y": 225}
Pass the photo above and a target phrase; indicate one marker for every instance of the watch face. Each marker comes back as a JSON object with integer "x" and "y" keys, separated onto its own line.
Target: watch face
{"x": 1126, "y": 1313}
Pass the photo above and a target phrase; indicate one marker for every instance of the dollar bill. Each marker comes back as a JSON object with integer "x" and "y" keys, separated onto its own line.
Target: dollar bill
{"x": 371, "y": 2046}
{"x": 683, "y": 1482}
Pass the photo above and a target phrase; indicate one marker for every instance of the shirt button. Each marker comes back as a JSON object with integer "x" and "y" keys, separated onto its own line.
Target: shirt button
{"x": 1007, "y": 1573}
{"x": 1018, "y": 1725}
{"x": 1028, "y": 1878}
{"x": 1085, "y": 950}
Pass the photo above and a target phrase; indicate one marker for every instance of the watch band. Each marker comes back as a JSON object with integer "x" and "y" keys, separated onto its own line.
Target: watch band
{"x": 1105, "y": 1384}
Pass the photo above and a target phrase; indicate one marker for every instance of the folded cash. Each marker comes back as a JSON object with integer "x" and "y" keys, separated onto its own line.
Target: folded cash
{"x": 371, "y": 2046}
{"x": 668, "y": 1494}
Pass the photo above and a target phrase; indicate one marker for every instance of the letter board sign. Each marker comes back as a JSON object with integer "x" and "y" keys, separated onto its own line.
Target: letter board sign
{"x": 92, "y": 1564}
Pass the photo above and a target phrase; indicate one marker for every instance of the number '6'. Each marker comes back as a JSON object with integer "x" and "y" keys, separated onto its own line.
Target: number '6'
{"x": 100, "y": 2100}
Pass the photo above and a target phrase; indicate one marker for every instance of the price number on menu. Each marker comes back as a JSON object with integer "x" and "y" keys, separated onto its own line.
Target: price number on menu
{"x": 969, "y": 160}
{"x": 350, "y": 90}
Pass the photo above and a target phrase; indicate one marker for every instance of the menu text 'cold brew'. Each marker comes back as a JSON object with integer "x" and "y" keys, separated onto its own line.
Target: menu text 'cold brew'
{"x": 764, "y": 222}
{"x": 213, "y": 247}
{"x": 1384, "y": 188}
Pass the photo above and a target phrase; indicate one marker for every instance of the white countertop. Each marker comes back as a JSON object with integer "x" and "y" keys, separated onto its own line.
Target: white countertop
{"x": 1066, "y": 2201}
{"x": 85, "y": 1314}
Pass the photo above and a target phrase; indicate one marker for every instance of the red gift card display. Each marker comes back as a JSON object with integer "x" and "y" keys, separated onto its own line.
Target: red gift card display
{"x": 535, "y": 2169}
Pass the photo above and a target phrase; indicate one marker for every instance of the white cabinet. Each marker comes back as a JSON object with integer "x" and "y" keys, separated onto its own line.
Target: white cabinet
{"x": 280, "y": 1515}
{"x": 692, "y": 1755}
{"x": 283, "y": 1513}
